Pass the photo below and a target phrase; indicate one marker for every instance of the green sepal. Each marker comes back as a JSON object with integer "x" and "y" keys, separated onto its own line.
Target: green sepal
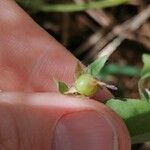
{"x": 61, "y": 86}
{"x": 136, "y": 115}
{"x": 95, "y": 67}
{"x": 144, "y": 81}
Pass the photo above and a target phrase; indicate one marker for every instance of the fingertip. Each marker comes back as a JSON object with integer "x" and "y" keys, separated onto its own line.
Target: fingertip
{"x": 76, "y": 121}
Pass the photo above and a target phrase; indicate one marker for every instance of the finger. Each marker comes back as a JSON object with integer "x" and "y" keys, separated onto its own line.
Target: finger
{"x": 32, "y": 59}
{"x": 29, "y": 57}
{"x": 56, "y": 122}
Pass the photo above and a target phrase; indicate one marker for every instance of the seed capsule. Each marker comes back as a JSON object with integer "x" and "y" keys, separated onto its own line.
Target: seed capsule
{"x": 86, "y": 85}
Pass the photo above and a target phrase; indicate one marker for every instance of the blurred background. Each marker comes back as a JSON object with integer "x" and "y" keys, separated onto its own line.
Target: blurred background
{"x": 88, "y": 28}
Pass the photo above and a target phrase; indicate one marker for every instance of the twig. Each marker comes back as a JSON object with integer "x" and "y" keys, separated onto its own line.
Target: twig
{"x": 133, "y": 23}
{"x": 109, "y": 49}
{"x": 97, "y": 15}
{"x": 94, "y": 38}
{"x": 85, "y": 20}
{"x": 98, "y": 46}
{"x": 100, "y": 17}
{"x": 130, "y": 25}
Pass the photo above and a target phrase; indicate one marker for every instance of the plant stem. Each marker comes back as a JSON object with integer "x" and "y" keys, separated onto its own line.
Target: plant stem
{"x": 81, "y": 7}
{"x": 136, "y": 115}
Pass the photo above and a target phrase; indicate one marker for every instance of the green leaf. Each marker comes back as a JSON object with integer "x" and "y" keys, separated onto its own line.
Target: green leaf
{"x": 71, "y": 7}
{"x": 61, "y": 86}
{"x": 95, "y": 67}
{"x": 116, "y": 69}
{"x": 136, "y": 115}
{"x": 146, "y": 61}
{"x": 144, "y": 82}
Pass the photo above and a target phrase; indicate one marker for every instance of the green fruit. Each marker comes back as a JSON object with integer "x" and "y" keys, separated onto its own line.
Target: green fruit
{"x": 86, "y": 85}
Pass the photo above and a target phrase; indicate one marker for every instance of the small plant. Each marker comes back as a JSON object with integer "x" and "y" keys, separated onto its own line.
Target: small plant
{"x": 86, "y": 80}
{"x": 134, "y": 112}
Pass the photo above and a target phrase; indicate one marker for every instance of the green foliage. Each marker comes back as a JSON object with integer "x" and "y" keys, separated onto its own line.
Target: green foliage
{"x": 82, "y": 7}
{"x": 95, "y": 67}
{"x": 39, "y": 5}
{"x": 146, "y": 61}
{"x": 115, "y": 69}
{"x": 144, "y": 82}
{"x": 136, "y": 114}
{"x": 61, "y": 86}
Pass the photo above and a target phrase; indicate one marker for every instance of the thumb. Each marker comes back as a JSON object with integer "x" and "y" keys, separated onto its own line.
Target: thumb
{"x": 56, "y": 122}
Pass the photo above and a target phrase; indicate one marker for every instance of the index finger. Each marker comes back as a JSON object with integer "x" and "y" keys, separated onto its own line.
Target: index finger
{"x": 30, "y": 51}
{"x": 30, "y": 55}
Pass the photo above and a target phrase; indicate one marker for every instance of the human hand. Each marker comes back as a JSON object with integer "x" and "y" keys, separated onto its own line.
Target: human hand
{"x": 32, "y": 114}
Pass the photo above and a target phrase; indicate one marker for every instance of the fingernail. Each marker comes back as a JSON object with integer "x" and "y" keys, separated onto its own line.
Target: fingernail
{"x": 84, "y": 131}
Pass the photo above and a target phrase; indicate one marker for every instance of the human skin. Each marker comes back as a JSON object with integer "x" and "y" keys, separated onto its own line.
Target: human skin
{"x": 33, "y": 115}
